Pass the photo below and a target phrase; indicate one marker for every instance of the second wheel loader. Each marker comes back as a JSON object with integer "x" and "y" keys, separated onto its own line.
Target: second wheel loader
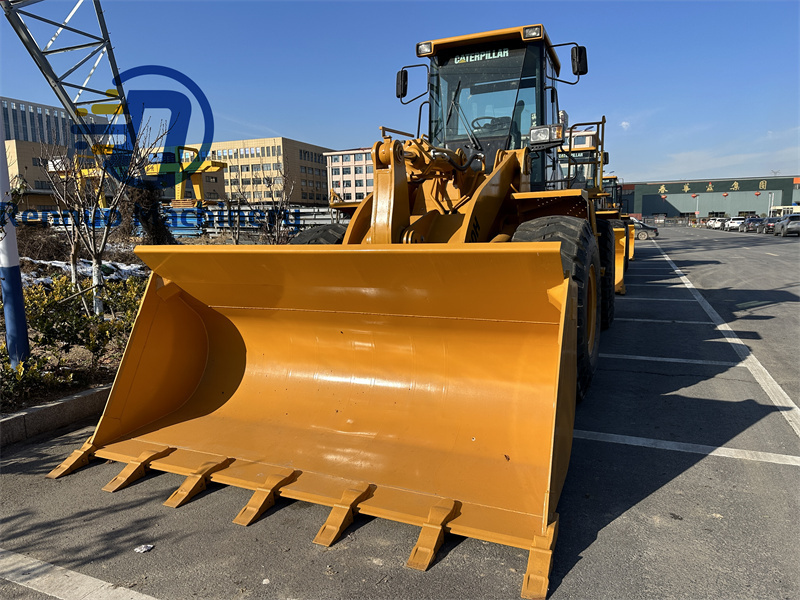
{"x": 421, "y": 364}
{"x": 583, "y": 159}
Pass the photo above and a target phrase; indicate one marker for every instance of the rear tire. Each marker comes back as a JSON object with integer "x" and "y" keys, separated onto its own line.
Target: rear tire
{"x": 642, "y": 235}
{"x": 321, "y": 234}
{"x": 581, "y": 258}
{"x": 607, "y": 247}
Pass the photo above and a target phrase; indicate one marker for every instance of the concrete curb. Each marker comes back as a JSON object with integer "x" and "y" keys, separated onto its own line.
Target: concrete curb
{"x": 49, "y": 417}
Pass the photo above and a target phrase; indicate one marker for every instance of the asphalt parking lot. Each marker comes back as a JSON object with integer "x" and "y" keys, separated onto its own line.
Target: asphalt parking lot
{"x": 683, "y": 481}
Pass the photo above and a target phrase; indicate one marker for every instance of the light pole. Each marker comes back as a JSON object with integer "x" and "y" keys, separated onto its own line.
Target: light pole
{"x": 10, "y": 275}
{"x": 696, "y": 209}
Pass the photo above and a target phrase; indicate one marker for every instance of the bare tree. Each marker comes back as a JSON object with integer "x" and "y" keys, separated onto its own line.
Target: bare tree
{"x": 94, "y": 190}
{"x": 281, "y": 189}
{"x": 145, "y": 207}
{"x": 233, "y": 206}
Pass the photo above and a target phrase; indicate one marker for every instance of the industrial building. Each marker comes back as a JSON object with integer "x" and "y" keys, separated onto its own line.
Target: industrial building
{"x": 350, "y": 173}
{"x": 29, "y": 127}
{"x": 265, "y": 169}
{"x": 258, "y": 170}
{"x": 705, "y": 198}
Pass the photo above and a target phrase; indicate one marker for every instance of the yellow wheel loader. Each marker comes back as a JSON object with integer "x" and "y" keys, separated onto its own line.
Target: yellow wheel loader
{"x": 612, "y": 190}
{"x": 582, "y": 160}
{"x": 421, "y": 364}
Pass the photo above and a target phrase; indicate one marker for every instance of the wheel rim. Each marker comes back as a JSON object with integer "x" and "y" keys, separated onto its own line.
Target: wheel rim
{"x": 591, "y": 309}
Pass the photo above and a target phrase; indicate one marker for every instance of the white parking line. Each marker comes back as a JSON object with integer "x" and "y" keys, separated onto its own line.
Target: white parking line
{"x": 654, "y": 284}
{"x": 690, "y": 361}
{"x": 771, "y": 254}
{"x": 58, "y": 582}
{"x": 664, "y": 321}
{"x": 648, "y": 273}
{"x": 669, "y": 274}
{"x": 767, "y": 457}
{"x": 655, "y": 299}
{"x": 774, "y": 392}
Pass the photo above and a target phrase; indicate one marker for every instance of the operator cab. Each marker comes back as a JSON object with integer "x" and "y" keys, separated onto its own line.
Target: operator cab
{"x": 486, "y": 99}
{"x": 497, "y": 91}
{"x": 612, "y": 187}
{"x": 578, "y": 158}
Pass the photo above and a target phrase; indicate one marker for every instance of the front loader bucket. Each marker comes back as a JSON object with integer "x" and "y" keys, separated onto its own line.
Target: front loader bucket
{"x": 620, "y": 258}
{"x": 631, "y": 239}
{"x": 429, "y": 384}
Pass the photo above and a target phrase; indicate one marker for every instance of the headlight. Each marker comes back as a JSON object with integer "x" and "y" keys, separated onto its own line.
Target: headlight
{"x": 424, "y": 48}
{"x": 531, "y": 33}
{"x": 540, "y": 134}
{"x": 546, "y": 136}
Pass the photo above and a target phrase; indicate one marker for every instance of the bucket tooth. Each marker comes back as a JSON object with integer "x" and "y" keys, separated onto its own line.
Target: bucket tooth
{"x": 540, "y": 561}
{"x": 263, "y": 498}
{"x": 341, "y": 515}
{"x": 76, "y": 460}
{"x": 432, "y": 535}
{"x": 135, "y": 469}
{"x": 195, "y": 483}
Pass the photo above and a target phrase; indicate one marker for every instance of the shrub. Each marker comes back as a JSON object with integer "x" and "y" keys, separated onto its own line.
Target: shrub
{"x": 33, "y": 377}
{"x": 58, "y": 324}
{"x": 122, "y": 298}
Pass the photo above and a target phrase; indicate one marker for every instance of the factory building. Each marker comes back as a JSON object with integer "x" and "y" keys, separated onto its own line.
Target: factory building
{"x": 705, "y": 198}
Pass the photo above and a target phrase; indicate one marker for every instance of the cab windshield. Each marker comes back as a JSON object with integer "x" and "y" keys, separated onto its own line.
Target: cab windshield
{"x": 485, "y": 99}
{"x": 580, "y": 168}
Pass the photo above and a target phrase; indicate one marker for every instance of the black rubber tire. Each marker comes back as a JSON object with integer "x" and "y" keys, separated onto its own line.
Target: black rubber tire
{"x": 580, "y": 257}
{"x": 608, "y": 261}
{"x": 642, "y": 235}
{"x": 620, "y": 224}
{"x": 321, "y": 234}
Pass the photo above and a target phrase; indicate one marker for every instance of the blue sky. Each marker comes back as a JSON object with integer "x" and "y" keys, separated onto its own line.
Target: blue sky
{"x": 690, "y": 89}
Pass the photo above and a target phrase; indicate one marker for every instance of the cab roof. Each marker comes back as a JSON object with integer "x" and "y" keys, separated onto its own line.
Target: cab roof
{"x": 496, "y": 35}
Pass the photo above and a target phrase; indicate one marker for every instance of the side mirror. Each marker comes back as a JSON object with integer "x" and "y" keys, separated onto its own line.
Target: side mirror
{"x": 580, "y": 65}
{"x": 605, "y": 158}
{"x": 402, "y": 83}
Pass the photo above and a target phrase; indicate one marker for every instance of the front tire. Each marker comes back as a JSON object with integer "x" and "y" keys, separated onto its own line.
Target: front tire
{"x": 321, "y": 234}
{"x": 580, "y": 257}
{"x": 608, "y": 261}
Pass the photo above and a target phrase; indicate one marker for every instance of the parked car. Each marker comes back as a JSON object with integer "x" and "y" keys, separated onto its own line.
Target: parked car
{"x": 767, "y": 225}
{"x": 719, "y": 223}
{"x": 644, "y": 231}
{"x": 733, "y": 223}
{"x": 788, "y": 225}
{"x": 710, "y": 223}
{"x": 750, "y": 224}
